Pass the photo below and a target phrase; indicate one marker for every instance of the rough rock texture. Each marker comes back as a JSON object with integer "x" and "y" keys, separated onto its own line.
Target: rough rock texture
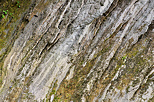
{"x": 78, "y": 50}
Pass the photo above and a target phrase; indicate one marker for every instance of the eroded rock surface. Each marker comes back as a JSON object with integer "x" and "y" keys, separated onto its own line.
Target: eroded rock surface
{"x": 81, "y": 50}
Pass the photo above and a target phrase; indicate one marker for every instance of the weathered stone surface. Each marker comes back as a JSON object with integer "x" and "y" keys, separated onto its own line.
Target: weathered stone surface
{"x": 80, "y": 50}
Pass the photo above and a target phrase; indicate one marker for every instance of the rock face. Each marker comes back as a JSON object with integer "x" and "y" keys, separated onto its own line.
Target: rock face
{"x": 78, "y": 50}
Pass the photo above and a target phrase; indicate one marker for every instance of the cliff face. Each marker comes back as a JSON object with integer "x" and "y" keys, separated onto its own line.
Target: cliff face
{"x": 77, "y": 50}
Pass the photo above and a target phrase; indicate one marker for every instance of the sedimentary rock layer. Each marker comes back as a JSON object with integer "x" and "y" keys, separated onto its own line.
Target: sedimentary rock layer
{"x": 80, "y": 50}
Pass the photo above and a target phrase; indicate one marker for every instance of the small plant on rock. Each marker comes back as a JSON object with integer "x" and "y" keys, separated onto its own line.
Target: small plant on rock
{"x": 124, "y": 57}
{"x": 5, "y": 12}
{"x": 18, "y": 4}
{"x": 3, "y": 16}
